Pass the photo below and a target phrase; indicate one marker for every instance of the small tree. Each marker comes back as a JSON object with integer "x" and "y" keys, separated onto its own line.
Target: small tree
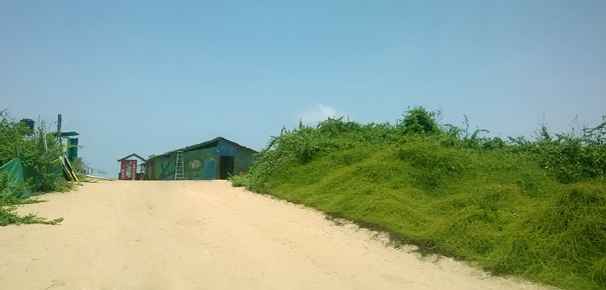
{"x": 419, "y": 121}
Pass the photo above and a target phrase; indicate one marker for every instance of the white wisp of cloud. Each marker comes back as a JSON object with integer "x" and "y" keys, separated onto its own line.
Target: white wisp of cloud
{"x": 317, "y": 114}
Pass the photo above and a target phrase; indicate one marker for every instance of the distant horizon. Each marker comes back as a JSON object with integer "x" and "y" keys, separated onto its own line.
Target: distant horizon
{"x": 574, "y": 128}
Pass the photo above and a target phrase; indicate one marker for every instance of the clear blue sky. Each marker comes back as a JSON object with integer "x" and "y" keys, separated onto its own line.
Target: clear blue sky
{"x": 149, "y": 77}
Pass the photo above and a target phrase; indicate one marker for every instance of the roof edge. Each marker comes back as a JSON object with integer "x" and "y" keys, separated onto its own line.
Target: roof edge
{"x": 202, "y": 145}
{"x": 132, "y": 155}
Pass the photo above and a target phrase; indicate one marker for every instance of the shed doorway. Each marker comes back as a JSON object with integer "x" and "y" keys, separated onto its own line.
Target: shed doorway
{"x": 226, "y": 167}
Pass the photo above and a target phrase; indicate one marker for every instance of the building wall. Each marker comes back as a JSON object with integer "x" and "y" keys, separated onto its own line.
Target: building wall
{"x": 243, "y": 157}
{"x": 200, "y": 164}
{"x": 162, "y": 167}
{"x": 243, "y": 160}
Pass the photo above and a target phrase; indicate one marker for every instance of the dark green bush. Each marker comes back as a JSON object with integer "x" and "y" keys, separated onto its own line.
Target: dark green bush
{"x": 419, "y": 121}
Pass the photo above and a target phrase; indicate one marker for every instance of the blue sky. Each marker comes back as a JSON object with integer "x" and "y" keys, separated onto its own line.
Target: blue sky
{"x": 148, "y": 77}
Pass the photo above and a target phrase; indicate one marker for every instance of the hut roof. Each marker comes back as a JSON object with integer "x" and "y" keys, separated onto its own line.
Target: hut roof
{"x": 132, "y": 155}
{"x": 205, "y": 144}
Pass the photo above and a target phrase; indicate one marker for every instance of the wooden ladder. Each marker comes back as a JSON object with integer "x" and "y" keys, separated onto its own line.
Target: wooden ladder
{"x": 179, "y": 166}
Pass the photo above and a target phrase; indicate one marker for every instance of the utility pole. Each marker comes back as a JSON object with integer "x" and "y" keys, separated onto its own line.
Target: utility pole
{"x": 59, "y": 124}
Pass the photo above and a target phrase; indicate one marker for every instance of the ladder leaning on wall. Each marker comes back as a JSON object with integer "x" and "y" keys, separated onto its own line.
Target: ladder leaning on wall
{"x": 179, "y": 166}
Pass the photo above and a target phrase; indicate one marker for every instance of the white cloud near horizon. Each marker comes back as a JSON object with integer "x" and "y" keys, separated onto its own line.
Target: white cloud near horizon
{"x": 318, "y": 113}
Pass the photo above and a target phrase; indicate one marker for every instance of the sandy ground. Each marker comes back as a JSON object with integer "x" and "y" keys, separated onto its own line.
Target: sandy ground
{"x": 208, "y": 235}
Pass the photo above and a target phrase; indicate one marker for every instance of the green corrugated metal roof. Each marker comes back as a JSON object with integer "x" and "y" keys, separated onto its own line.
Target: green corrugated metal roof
{"x": 69, "y": 134}
{"x": 206, "y": 144}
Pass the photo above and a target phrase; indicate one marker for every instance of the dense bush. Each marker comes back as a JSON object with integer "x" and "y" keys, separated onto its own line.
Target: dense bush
{"x": 571, "y": 158}
{"x": 534, "y": 208}
{"x": 419, "y": 121}
{"x": 568, "y": 157}
{"x": 39, "y": 152}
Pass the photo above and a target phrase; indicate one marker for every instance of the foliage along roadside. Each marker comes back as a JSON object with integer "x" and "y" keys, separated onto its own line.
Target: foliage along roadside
{"x": 8, "y": 215}
{"x": 39, "y": 152}
{"x": 532, "y": 208}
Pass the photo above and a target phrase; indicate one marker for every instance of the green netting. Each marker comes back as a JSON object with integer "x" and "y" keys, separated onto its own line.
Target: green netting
{"x": 14, "y": 173}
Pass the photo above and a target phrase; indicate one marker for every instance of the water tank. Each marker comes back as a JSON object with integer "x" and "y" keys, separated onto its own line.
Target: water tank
{"x": 29, "y": 124}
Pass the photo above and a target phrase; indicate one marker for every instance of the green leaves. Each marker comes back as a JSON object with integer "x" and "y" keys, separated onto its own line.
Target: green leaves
{"x": 419, "y": 121}
{"x": 502, "y": 203}
{"x": 568, "y": 157}
{"x": 39, "y": 151}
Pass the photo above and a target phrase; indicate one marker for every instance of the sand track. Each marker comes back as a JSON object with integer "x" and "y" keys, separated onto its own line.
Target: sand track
{"x": 208, "y": 235}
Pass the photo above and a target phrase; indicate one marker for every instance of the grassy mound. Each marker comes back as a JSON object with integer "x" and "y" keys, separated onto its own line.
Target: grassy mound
{"x": 492, "y": 202}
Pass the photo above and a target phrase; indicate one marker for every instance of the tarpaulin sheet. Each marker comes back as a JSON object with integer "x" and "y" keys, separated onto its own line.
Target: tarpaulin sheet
{"x": 15, "y": 177}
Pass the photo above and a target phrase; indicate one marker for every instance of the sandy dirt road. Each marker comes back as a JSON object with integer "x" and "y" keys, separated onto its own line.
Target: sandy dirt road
{"x": 208, "y": 235}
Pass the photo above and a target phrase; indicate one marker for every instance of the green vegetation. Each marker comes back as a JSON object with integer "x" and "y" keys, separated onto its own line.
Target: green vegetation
{"x": 531, "y": 208}
{"x": 38, "y": 153}
{"x": 8, "y": 215}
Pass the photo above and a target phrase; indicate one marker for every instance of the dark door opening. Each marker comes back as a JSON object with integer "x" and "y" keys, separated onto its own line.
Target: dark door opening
{"x": 226, "y": 166}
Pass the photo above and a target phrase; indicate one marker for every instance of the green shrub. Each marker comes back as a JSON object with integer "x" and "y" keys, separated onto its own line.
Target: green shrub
{"x": 239, "y": 180}
{"x": 40, "y": 152}
{"x": 419, "y": 121}
{"x": 533, "y": 208}
{"x": 566, "y": 234}
{"x": 8, "y": 216}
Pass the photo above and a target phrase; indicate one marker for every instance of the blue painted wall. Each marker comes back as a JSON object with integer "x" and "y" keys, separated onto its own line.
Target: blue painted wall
{"x": 200, "y": 164}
